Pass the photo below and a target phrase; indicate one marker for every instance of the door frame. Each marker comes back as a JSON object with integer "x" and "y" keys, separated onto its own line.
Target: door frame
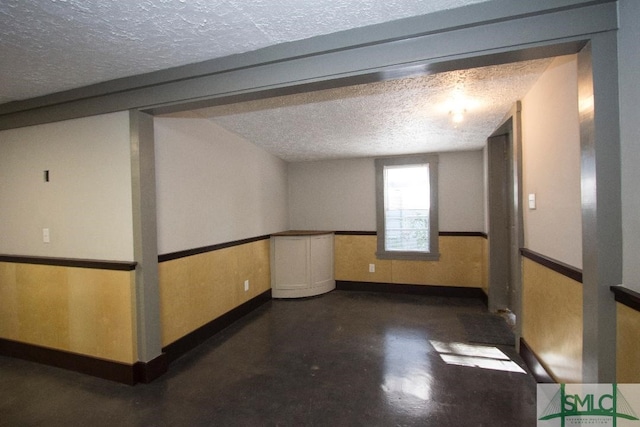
{"x": 509, "y": 296}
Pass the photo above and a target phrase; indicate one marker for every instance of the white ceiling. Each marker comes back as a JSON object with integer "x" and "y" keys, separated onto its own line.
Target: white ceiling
{"x": 49, "y": 46}
{"x": 411, "y": 115}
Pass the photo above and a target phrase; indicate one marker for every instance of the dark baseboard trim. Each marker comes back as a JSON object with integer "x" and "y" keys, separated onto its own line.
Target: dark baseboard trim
{"x": 355, "y": 233}
{"x": 108, "y": 370}
{"x": 193, "y": 339}
{"x": 145, "y": 372}
{"x": 557, "y": 266}
{"x": 626, "y": 296}
{"x": 71, "y": 262}
{"x": 211, "y": 248}
{"x": 485, "y": 298}
{"x": 441, "y": 233}
{"x": 531, "y": 360}
{"x": 462, "y": 234}
{"x": 431, "y": 290}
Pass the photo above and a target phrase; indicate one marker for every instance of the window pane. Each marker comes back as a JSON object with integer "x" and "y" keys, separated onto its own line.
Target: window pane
{"x": 406, "y": 207}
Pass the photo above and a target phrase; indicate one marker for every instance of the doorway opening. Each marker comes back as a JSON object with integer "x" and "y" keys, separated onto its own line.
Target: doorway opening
{"x": 504, "y": 212}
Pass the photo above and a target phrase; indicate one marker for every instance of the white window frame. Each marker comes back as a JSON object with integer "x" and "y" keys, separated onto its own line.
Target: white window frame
{"x": 432, "y": 160}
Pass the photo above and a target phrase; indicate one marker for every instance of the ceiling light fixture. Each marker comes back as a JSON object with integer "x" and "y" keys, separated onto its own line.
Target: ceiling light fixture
{"x": 457, "y": 115}
{"x": 458, "y": 105}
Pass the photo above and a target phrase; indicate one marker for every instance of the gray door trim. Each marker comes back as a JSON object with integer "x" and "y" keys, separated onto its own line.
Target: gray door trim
{"x": 499, "y": 236}
{"x": 511, "y": 127}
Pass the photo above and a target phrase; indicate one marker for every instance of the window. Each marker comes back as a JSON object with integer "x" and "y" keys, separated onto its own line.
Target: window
{"x": 407, "y": 207}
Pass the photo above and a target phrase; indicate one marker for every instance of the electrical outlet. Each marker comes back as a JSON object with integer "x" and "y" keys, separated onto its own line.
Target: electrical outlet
{"x": 372, "y": 268}
{"x": 246, "y": 285}
{"x": 46, "y": 236}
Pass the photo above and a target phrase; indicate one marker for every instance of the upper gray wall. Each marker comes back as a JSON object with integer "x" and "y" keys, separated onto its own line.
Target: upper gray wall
{"x": 340, "y": 194}
{"x": 213, "y": 187}
{"x": 551, "y": 164}
{"x": 461, "y": 191}
{"x": 86, "y": 205}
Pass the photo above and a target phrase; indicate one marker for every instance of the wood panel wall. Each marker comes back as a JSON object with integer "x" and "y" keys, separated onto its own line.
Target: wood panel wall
{"x": 462, "y": 263}
{"x": 552, "y": 320}
{"x": 628, "y": 344}
{"x": 80, "y": 310}
{"x": 197, "y": 289}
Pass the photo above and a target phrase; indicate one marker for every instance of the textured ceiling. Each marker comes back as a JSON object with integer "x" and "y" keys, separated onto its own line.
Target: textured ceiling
{"x": 403, "y": 116}
{"x": 48, "y": 46}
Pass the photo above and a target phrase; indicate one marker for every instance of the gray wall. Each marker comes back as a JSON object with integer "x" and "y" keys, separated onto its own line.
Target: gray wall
{"x": 86, "y": 205}
{"x": 629, "y": 74}
{"x": 340, "y": 194}
{"x": 213, "y": 186}
{"x": 551, "y": 164}
{"x": 461, "y": 191}
{"x": 332, "y": 195}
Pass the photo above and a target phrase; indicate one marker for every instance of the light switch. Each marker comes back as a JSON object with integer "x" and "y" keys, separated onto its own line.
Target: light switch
{"x": 45, "y": 235}
{"x": 532, "y": 201}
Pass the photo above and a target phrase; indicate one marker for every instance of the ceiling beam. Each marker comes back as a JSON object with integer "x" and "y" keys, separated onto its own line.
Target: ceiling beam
{"x": 500, "y": 29}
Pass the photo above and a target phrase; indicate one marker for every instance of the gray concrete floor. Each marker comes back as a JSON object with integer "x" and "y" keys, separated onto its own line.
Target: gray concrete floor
{"x": 342, "y": 359}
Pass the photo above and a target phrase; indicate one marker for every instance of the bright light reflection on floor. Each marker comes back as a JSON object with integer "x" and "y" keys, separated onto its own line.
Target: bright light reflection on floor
{"x": 407, "y": 375}
{"x": 477, "y": 356}
{"x": 417, "y": 387}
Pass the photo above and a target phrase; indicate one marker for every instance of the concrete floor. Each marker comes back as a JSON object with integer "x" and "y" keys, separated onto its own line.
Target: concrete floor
{"x": 342, "y": 359}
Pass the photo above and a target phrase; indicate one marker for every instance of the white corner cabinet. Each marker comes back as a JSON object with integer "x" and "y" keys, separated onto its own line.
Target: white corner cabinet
{"x": 301, "y": 264}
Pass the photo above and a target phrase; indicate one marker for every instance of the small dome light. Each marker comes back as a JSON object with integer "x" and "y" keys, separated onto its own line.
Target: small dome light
{"x": 457, "y": 116}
